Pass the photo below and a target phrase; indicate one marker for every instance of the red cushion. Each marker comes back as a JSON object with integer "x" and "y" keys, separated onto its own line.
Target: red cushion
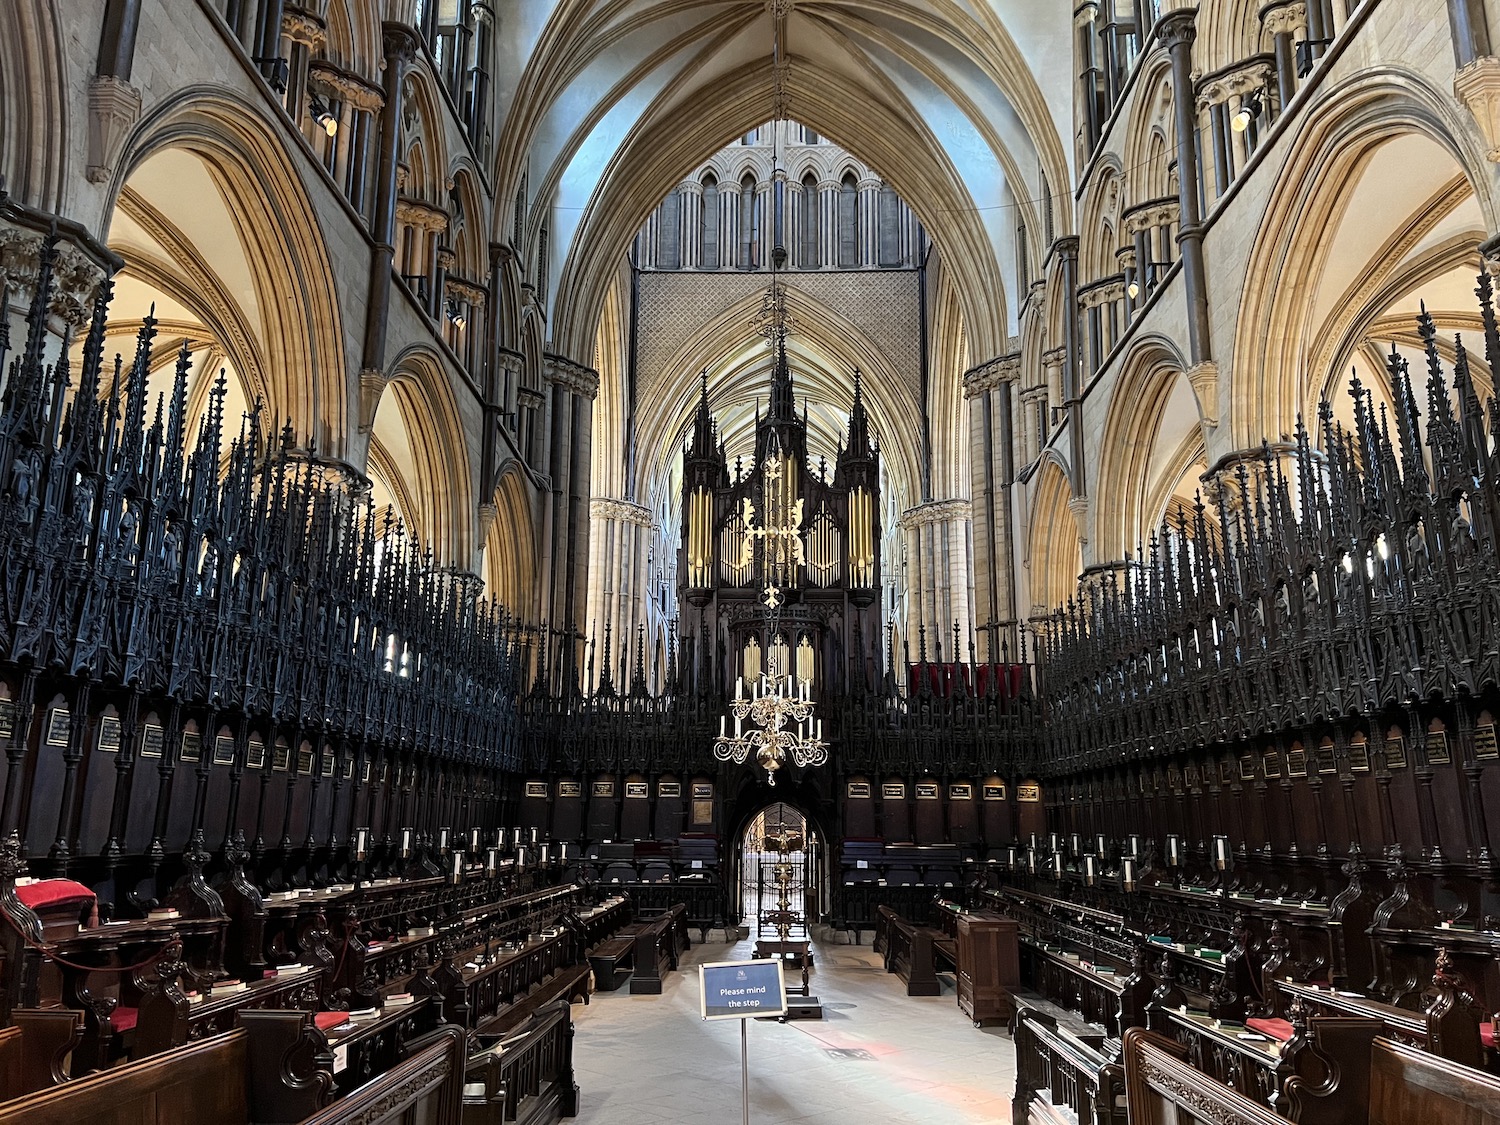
{"x": 1487, "y": 1034}
{"x": 327, "y": 1020}
{"x": 52, "y": 892}
{"x": 1276, "y": 1029}
{"x": 124, "y": 1019}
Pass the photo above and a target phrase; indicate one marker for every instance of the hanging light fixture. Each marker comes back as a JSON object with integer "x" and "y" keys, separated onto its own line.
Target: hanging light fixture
{"x": 456, "y": 315}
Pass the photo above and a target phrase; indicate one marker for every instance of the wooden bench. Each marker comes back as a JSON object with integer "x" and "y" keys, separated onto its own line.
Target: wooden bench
{"x": 909, "y": 952}
{"x": 1392, "y": 1084}
{"x": 658, "y": 946}
{"x": 527, "y": 1076}
{"x": 1061, "y": 1070}
{"x": 275, "y": 1070}
{"x": 609, "y": 958}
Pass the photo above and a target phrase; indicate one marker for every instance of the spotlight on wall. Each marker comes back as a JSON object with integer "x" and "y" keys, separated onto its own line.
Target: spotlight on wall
{"x": 1249, "y": 110}
{"x": 321, "y": 115}
{"x": 456, "y": 315}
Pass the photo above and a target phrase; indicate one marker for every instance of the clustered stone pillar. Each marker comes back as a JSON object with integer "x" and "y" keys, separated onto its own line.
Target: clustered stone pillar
{"x": 571, "y": 391}
{"x": 620, "y": 538}
{"x": 650, "y": 239}
{"x": 1285, "y": 23}
{"x": 1177, "y": 31}
{"x": 357, "y": 103}
{"x": 868, "y": 221}
{"x": 729, "y": 227}
{"x": 828, "y": 222}
{"x": 691, "y": 242}
{"x": 940, "y": 582}
{"x": 990, "y": 390}
{"x": 400, "y": 44}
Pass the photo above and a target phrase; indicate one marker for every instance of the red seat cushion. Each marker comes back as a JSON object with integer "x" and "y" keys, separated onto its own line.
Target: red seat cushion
{"x": 1276, "y": 1029}
{"x": 53, "y": 892}
{"x": 1487, "y": 1034}
{"x": 328, "y": 1020}
{"x": 124, "y": 1019}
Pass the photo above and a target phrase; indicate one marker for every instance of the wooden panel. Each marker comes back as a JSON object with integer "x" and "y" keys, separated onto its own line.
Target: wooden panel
{"x": 187, "y": 1086}
{"x": 1409, "y": 1086}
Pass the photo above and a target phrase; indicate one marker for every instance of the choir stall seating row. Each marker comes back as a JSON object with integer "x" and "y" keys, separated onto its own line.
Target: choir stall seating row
{"x": 498, "y": 961}
{"x": 1242, "y": 1022}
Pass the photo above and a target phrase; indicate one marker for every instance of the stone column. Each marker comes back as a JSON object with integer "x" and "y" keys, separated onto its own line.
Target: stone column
{"x": 571, "y": 389}
{"x": 938, "y": 550}
{"x": 828, "y": 225}
{"x": 729, "y": 229}
{"x": 1088, "y": 73}
{"x": 1177, "y": 32}
{"x": 1054, "y": 365}
{"x": 989, "y": 389}
{"x": 1284, "y": 23}
{"x": 620, "y": 536}
{"x": 794, "y": 240}
{"x": 400, "y": 44}
{"x": 650, "y": 240}
{"x": 691, "y": 242}
{"x": 868, "y": 212}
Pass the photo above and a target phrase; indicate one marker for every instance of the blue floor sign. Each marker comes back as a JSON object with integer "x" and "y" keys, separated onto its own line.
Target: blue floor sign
{"x": 736, "y": 990}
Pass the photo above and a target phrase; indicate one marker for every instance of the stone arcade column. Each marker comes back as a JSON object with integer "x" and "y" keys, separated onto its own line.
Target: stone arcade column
{"x": 1177, "y": 32}
{"x": 400, "y": 44}
{"x": 990, "y": 389}
{"x": 940, "y": 583}
{"x": 691, "y": 242}
{"x": 620, "y": 536}
{"x": 729, "y": 229}
{"x": 1285, "y": 23}
{"x": 828, "y": 223}
{"x": 571, "y": 389}
{"x": 868, "y": 212}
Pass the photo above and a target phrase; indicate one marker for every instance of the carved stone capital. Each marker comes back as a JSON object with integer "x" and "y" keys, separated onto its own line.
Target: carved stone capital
{"x": 1284, "y": 19}
{"x": 1079, "y": 506}
{"x": 1151, "y": 215}
{"x": 446, "y": 258}
{"x": 114, "y": 106}
{"x": 1204, "y": 379}
{"x": 399, "y": 43}
{"x": 1125, "y": 255}
{"x": 422, "y": 215}
{"x": 1477, "y": 85}
{"x": 303, "y": 27}
{"x": 371, "y": 386}
{"x": 937, "y": 511}
{"x": 507, "y": 360}
{"x": 990, "y": 374}
{"x": 338, "y": 84}
{"x": 570, "y": 376}
{"x": 622, "y": 511}
{"x": 460, "y": 290}
{"x": 75, "y": 279}
{"x": 1085, "y": 14}
{"x": 1177, "y": 28}
{"x": 1237, "y": 83}
{"x": 1055, "y": 357}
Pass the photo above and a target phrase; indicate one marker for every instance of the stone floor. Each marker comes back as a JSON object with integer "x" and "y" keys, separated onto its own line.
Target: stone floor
{"x": 878, "y": 1057}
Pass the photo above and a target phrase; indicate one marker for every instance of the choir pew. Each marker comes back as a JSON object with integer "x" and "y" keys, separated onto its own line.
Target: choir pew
{"x": 1392, "y": 1084}
{"x": 272, "y": 1071}
{"x": 1059, "y": 1068}
{"x": 526, "y": 1076}
{"x": 910, "y": 951}
{"x": 658, "y": 946}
